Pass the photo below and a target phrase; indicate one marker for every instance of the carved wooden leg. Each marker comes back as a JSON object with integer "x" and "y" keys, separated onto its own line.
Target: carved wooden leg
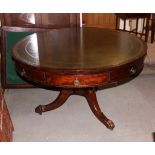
{"x": 60, "y": 100}
{"x": 88, "y": 93}
{"x": 92, "y": 101}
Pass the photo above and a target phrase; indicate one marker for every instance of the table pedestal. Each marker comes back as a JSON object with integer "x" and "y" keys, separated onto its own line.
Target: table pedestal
{"x": 88, "y": 93}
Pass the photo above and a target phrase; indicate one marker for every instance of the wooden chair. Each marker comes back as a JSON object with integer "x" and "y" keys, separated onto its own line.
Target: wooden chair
{"x": 16, "y": 26}
{"x": 136, "y": 16}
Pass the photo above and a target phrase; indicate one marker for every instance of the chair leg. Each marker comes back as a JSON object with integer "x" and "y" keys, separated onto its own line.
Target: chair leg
{"x": 136, "y": 26}
{"x": 116, "y": 26}
{"x": 143, "y": 27}
{"x": 147, "y": 30}
{"x": 152, "y": 36}
{"x": 124, "y": 24}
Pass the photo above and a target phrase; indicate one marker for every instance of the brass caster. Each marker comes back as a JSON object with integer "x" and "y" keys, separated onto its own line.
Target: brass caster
{"x": 39, "y": 109}
{"x": 110, "y": 124}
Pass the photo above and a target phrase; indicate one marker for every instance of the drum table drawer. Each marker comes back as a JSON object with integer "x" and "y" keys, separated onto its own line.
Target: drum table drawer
{"x": 31, "y": 74}
{"x": 126, "y": 72}
{"x": 75, "y": 81}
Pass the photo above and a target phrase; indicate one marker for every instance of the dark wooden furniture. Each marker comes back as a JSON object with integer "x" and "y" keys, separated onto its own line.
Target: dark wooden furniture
{"x": 101, "y": 20}
{"x": 17, "y": 25}
{"x": 78, "y": 61}
{"x": 40, "y": 20}
{"x": 136, "y": 16}
{"x": 6, "y": 127}
{"x": 153, "y": 134}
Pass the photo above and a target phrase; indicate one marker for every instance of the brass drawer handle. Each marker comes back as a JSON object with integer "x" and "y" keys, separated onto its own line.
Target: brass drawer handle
{"x": 23, "y": 72}
{"x": 76, "y": 82}
{"x": 133, "y": 71}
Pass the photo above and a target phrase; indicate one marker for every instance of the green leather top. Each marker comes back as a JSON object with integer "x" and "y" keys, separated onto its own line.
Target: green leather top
{"x": 79, "y": 48}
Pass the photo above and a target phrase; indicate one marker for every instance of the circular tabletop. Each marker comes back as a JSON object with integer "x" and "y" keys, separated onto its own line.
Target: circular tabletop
{"x": 79, "y": 48}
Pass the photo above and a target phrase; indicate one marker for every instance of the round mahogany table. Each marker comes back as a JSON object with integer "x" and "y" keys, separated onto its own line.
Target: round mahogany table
{"x": 78, "y": 60}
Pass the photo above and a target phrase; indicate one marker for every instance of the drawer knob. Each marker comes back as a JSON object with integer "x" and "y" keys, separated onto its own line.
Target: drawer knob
{"x": 23, "y": 72}
{"x": 76, "y": 82}
{"x": 133, "y": 71}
